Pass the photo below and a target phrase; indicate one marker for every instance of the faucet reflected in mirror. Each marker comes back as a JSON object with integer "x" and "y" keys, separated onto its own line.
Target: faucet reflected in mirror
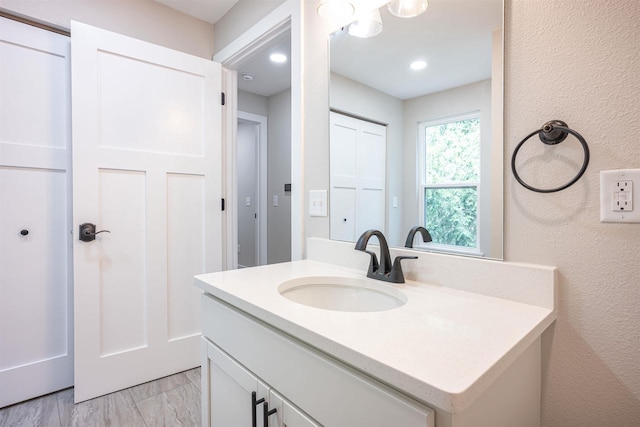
{"x": 426, "y": 237}
{"x": 384, "y": 270}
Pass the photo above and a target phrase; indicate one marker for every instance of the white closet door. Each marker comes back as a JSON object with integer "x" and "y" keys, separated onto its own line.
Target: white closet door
{"x": 357, "y": 177}
{"x": 36, "y": 346}
{"x": 146, "y": 163}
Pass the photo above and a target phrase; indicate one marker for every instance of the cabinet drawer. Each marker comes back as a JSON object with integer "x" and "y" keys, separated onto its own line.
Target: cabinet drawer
{"x": 329, "y": 391}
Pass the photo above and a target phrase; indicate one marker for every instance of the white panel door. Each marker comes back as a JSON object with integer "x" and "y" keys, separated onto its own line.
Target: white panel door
{"x": 146, "y": 164}
{"x": 357, "y": 177}
{"x": 372, "y": 148}
{"x": 36, "y": 345}
{"x": 343, "y": 184}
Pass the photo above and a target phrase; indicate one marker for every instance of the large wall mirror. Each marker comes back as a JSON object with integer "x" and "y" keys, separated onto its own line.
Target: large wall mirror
{"x": 417, "y": 127}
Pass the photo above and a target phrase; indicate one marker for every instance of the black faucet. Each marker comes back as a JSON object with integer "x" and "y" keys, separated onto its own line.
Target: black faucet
{"x": 426, "y": 237}
{"x": 383, "y": 271}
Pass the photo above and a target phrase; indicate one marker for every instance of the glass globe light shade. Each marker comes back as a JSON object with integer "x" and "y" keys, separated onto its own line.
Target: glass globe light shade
{"x": 407, "y": 8}
{"x": 368, "y": 26}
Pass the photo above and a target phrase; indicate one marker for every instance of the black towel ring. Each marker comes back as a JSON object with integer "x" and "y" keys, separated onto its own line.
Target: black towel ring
{"x": 552, "y": 133}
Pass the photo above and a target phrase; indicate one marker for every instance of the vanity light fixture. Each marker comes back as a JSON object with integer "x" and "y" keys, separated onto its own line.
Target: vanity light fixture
{"x": 278, "y": 58}
{"x": 336, "y": 10}
{"x": 367, "y": 26}
{"x": 247, "y": 77}
{"x": 407, "y": 8}
{"x": 418, "y": 65}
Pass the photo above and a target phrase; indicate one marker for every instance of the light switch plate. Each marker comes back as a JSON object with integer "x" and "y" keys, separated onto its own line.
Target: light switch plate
{"x": 318, "y": 203}
{"x": 620, "y": 195}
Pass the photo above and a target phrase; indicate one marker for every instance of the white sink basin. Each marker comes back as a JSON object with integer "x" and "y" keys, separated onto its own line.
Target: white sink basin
{"x": 343, "y": 294}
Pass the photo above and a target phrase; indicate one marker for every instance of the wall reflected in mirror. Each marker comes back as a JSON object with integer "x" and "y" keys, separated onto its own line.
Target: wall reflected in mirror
{"x": 420, "y": 145}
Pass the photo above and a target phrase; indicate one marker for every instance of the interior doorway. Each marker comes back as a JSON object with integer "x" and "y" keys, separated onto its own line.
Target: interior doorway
{"x": 283, "y": 108}
{"x": 251, "y": 209}
{"x": 262, "y": 155}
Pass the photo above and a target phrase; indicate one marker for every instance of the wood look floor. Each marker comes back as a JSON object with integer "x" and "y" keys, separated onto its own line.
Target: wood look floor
{"x": 170, "y": 401}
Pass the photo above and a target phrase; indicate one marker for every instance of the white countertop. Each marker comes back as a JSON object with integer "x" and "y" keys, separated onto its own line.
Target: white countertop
{"x": 444, "y": 346}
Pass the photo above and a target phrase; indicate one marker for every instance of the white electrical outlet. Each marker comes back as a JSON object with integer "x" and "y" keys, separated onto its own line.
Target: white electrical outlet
{"x": 617, "y": 192}
{"x": 622, "y": 200}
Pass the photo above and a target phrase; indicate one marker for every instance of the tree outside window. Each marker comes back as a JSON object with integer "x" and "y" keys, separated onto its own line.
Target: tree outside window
{"x": 450, "y": 180}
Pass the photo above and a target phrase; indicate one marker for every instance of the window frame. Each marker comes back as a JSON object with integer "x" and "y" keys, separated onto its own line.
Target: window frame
{"x": 422, "y": 185}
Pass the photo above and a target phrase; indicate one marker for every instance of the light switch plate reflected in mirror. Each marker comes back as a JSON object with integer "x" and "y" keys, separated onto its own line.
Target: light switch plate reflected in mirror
{"x": 318, "y": 203}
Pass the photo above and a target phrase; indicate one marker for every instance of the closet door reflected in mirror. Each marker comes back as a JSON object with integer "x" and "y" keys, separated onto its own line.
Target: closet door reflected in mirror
{"x": 357, "y": 176}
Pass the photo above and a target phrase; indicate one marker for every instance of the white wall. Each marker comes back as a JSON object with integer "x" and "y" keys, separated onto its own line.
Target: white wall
{"x": 142, "y": 19}
{"x": 353, "y": 97}
{"x": 279, "y": 174}
{"x": 448, "y": 103}
{"x": 252, "y": 103}
{"x": 578, "y": 61}
{"x": 315, "y": 93}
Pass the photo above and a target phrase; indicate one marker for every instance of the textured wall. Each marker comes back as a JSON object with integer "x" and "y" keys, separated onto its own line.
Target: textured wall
{"x": 142, "y": 19}
{"x": 577, "y": 60}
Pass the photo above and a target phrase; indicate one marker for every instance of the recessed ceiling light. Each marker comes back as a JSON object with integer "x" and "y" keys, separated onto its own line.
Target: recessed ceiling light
{"x": 278, "y": 57}
{"x": 418, "y": 65}
{"x": 247, "y": 77}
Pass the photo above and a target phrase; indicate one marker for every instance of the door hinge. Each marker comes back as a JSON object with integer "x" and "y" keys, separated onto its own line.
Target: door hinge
{"x": 222, "y": 204}
{"x": 223, "y": 98}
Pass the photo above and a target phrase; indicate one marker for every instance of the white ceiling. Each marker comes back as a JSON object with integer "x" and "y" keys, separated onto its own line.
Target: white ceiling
{"x": 453, "y": 36}
{"x": 269, "y": 77}
{"x": 206, "y": 10}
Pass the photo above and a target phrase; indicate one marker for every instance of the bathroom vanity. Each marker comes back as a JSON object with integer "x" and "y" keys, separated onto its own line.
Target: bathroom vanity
{"x": 441, "y": 356}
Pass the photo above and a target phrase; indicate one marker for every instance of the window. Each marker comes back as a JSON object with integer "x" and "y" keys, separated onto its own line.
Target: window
{"x": 449, "y": 162}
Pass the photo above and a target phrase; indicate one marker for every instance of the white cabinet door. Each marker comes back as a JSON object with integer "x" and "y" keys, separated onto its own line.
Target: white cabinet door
{"x": 357, "y": 177}
{"x": 231, "y": 395}
{"x": 330, "y": 392}
{"x": 147, "y": 167}
{"x": 287, "y": 415}
{"x": 36, "y": 339}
